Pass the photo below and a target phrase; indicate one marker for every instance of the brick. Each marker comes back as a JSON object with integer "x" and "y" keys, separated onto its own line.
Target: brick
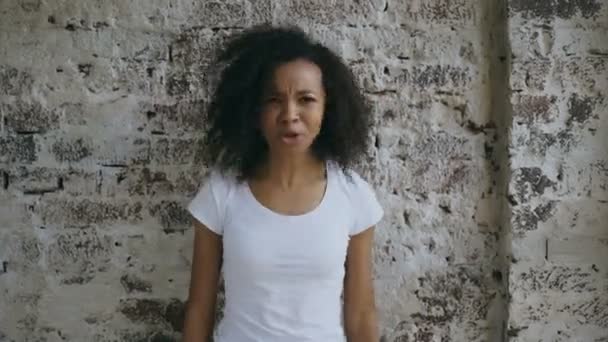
{"x": 73, "y": 113}
{"x": 583, "y": 308}
{"x": 79, "y": 182}
{"x": 445, "y": 297}
{"x": 18, "y": 149}
{"x": 532, "y": 40}
{"x": 14, "y": 214}
{"x": 121, "y": 151}
{"x": 528, "y": 217}
{"x": 77, "y": 255}
{"x": 35, "y": 180}
{"x": 552, "y": 278}
{"x": 563, "y": 9}
{"x": 14, "y": 82}
{"x": 580, "y": 108}
{"x": 327, "y": 12}
{"x": 535, "y": 141}
{"x": 530, "y": 182}
{"x": 438, "y": 12}
{"x": 172, "y": 216}
{"x": 72, "y": 149}
{"x": 21, "y": 251}
{"x": 82, "y": 212}
{"x": 581, "y": 41}
{"x": 135, "y": 77}
{"x": 585, "y": 74}
{"x": 147, "y": 182}
{"x": 550, "y": 331}
{"x": 579, "y": 215}
{"x": 173, "y": 151}
{"x": 153, "y": 311}
{"x": 174, "y": 314}
{"x": 23, "y": 117}
{"x": 435, "y": 12}
{"x": 118, "y": 181}
{"x": 578, "y": 250}
{"x": 533, "y": 109}
{"x": 183, "y": 116}
{"x": 530, "y": 74}
{"x": 220, "y": 14}
{"x": 132, "y": 283}
{"x": 393, "y": 46}
{"x": 585, "y": 178}
{"x": 430, "y": 76}
{"x": 195, "y": 47}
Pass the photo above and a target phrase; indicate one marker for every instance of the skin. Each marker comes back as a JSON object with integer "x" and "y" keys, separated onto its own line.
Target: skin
{"x": 291, "y": 182}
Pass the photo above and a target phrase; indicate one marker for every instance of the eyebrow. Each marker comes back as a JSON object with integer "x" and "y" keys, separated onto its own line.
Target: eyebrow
{"x": 299, "y": 92}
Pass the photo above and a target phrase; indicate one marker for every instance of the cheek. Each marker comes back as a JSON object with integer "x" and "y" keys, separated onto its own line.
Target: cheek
{"x": 314, "y": 121}
{"x": 266, "y": 123}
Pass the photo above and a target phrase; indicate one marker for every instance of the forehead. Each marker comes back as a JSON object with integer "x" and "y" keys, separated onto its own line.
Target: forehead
{"x": 297, "y": 74}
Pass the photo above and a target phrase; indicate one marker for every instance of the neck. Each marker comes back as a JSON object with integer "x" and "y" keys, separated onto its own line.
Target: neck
{"x": 293, "y": 170}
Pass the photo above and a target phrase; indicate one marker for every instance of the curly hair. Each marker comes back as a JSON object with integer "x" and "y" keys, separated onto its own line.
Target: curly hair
{"x": 233, "y": 139}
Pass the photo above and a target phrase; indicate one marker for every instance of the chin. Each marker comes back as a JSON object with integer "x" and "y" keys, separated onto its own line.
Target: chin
{"x": 293, "y": 149}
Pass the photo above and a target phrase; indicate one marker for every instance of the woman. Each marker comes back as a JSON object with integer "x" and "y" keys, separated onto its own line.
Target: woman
{"x": 281, "y": 211}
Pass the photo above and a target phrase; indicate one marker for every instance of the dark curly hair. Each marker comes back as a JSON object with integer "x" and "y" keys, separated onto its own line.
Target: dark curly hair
{"x": 233, "y": 140}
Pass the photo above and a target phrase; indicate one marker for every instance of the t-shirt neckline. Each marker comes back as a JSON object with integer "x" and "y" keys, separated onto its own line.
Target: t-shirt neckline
{"x": 317, "y": 208}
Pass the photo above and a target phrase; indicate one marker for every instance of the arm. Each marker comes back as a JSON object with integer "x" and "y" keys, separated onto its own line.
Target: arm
{"x": 199, "y": 318}
{"x": 360, "y": 320}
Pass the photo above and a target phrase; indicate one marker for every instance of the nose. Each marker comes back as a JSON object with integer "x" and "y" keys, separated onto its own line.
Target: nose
{"x": 289, "y": 112}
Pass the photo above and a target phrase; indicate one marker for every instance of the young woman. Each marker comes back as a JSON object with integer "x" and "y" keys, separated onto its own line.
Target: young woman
{"x": 282, "y": 212}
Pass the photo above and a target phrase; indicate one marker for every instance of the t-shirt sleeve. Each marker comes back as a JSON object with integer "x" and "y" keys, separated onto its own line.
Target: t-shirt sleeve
{"x": 367, "y": 211}
{"x": 207, "y": 206}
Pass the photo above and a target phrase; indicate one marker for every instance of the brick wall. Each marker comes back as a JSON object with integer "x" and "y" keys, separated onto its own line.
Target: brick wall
{"x": 488, "y": 156}
{"x": 559, "y": 161}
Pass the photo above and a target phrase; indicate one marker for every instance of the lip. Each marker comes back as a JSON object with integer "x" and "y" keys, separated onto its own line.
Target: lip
{"x": 291, "y": 137}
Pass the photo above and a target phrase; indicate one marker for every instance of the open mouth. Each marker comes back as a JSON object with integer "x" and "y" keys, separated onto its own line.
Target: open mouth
{"x": 291, "y": 137}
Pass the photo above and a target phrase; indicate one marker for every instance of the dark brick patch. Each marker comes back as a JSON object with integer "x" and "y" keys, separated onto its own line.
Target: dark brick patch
{"x": 132, "y": 283}
{"x": 184, "y": 116}
{"x": 79, "y": 212}
{"x": 18, "y": 149}
{"x": 147, "y": 182}
{"x": 174, "y": 314}
{"x": 14, "y": 82}
{"x": 71, "y": 149}
{"x": 30, "y": 5}
{"x": 526, "y": 218}
{"x": 35, "y": 180}
{"x": 579, "y": 108}
{"x": 173, "y": 151}
{"x": 23, "y": 117}
{"x": 154, "y": 311}
{"x": 530, "y": 181}
{"x": 564, "y": 9}
{"x": 172, "y": 215}
{"x": 529, "y": 109}
{"x": 435, "y": 76}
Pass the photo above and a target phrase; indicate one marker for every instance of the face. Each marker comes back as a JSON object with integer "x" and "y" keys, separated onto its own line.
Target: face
{"x": 293, "y": 107}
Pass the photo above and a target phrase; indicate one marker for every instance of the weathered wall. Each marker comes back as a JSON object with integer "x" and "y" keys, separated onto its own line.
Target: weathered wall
{"x": 99, "y": 152}
{"x": 559, "y": 184}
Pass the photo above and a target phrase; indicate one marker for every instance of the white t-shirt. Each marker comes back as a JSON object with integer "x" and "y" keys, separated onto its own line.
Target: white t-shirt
{"x": 284, "y": 274}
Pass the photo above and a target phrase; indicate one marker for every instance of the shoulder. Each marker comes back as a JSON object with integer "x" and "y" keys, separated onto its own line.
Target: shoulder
{"x": 350, "y": 181}
{"x": 366, "y": 210}
{"x": 209, "y": 204}
{"x": 222, "y": 183}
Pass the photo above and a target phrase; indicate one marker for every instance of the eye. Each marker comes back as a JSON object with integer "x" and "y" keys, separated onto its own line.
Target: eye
{"x": 272, "y": 99}
{"x": 309, "y": 99}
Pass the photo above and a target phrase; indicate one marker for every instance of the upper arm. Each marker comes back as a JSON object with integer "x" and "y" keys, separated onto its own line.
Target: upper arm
{"x": 209, "y": 204}
{"x": 358, "y": 287}
{"x": 366, "y": 210}
{"x": 206, "y": 264}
